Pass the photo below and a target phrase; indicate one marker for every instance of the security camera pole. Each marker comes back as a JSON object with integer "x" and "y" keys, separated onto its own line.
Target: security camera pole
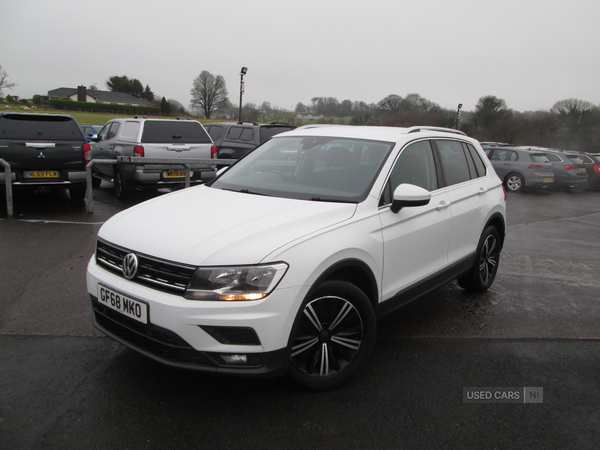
{"x": 242, "y": 73}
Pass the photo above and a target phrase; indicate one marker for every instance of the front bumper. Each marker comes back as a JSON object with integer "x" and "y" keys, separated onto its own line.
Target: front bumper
{"x": 176, "y": 333}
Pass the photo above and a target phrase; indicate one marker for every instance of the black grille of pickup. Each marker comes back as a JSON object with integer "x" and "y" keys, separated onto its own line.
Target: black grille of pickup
{"x": 161, "y": 275}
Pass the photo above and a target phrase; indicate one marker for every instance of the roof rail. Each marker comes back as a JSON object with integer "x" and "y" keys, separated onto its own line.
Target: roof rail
{"x": 417, "y": 129}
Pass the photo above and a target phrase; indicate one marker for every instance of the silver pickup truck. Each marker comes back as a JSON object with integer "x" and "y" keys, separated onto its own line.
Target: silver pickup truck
{"x": 151, "y": 138}
{"x": 45, "y": 151}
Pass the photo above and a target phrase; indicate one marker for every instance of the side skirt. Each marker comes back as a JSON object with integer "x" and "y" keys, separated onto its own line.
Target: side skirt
{"x": 425, "y": 286}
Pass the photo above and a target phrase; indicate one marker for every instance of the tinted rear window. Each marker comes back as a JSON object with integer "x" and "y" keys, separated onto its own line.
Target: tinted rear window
{"x": 174, "y": 132}
{"x": 35, "y": 127}
{"x": 267, "y": 133}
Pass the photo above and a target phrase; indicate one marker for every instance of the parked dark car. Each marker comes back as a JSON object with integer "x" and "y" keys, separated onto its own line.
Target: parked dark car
{"x": 594, "y": 172}
{"x": 569, "y": 170}
{"x": 519, "y": 169}
{"x": 234, "y": 140}
{"x": 45, "y": 151}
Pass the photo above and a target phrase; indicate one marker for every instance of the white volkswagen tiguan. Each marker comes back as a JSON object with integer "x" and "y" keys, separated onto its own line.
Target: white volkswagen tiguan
{"x": 286, "y": 261}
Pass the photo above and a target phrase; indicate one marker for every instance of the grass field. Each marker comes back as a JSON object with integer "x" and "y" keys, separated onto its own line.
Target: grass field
{"x": 84, "y": 118}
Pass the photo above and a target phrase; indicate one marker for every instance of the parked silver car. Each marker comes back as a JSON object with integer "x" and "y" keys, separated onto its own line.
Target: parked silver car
{"x": 519, "y": 168}
{"x": 569, "y": 170}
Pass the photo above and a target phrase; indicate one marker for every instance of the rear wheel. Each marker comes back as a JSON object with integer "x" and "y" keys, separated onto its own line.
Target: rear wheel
{"x": 96, "y": 182}
{"x": 120, "y": 187}
{"x": 482, "y": 274}
{"x": 332, "y": 336}
{"x": 514, "y": 182}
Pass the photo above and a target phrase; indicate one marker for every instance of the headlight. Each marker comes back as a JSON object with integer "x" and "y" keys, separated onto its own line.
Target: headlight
{"x": 234, "y": 283}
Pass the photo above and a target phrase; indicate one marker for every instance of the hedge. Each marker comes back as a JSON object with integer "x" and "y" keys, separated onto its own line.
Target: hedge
{"x": 69, "y": 105}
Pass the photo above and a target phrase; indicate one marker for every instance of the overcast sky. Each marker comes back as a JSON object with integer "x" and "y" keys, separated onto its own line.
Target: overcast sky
{"x": 531, "y": 53}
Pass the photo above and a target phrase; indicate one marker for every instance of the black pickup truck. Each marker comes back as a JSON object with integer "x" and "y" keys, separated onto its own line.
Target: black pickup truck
{"x": 45, "y": 151}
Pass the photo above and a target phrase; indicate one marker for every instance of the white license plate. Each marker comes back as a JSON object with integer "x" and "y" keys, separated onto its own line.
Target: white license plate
{"x": 122, "y": 303}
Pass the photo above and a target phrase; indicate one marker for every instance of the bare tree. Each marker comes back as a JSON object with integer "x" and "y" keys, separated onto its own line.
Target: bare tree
{"x": 576, "y": 114}
{"x": 209, "y": 94}
{"x": 4, "y": 82}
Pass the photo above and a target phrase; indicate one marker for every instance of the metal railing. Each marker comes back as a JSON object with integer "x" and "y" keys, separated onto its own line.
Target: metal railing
{"x": 89, "y": 196}
{"x": 8, "y": 186}
{"x": 185, "y": 162}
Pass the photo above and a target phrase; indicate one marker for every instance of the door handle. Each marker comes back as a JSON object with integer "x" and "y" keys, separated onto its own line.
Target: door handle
{"x": 482, "y": 191}
{"x": 442, "y": 205}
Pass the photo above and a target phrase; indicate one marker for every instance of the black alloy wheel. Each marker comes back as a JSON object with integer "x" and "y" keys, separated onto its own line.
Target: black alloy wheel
{"x": 332, "y": 337}
{"x": 482, "y": 274}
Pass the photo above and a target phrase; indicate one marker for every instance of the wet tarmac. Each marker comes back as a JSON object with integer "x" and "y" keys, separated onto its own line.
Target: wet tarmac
{"x": 65, "y": 385}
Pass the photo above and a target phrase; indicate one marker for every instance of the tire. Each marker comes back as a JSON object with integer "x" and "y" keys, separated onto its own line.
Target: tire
{"x": 482, "y": 274}
{"x": 332, "y": 337}
{"x": 96, "y": 182}
{"x": 120, "y": 187}
{"x": 77, "y": 194}
{"x": 514, "y": 182}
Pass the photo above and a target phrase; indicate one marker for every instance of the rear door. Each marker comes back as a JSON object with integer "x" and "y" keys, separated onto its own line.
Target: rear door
{"x": 464, "y": 180}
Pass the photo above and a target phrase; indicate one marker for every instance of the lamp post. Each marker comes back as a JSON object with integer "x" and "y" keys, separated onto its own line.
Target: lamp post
{"x": 458, "y": 114}
{"x": 242, "y": 73}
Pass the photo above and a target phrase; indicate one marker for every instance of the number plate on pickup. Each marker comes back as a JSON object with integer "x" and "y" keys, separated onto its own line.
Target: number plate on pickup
{"x": 174, "y": 173}
{"x": 40, "y": 174}
{"x": 122, "y": 303}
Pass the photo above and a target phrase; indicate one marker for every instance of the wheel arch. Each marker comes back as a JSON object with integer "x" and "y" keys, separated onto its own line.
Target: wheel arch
{"x": 514, "y": 172}
{"x": 353, "y": 271}
{"x": 497, "y": 221}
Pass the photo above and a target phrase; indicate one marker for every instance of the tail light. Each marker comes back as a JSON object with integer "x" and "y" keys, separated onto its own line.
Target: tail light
{"x": 567, "y": 167}
{"x": 597, "y": 169}
{"x": 87, "y": 153}
{"x": 138, "y": 152}
{"x": 213, "y": 152}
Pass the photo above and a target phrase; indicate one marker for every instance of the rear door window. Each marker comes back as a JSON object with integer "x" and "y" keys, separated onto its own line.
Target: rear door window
{"x": 455, "y": 168}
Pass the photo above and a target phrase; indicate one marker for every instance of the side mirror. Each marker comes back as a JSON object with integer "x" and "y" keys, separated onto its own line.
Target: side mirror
{"x": 409, "y": 195}
{"x": 95, "y": 138}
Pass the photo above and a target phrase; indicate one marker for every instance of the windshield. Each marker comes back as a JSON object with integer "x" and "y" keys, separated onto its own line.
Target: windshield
{"x": 311, "y": 168}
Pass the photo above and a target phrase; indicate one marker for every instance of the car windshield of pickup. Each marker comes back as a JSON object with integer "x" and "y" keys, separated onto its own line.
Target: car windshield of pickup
{"x": 174, "y": 132}
{"x": 39, "y": 127}
{"x": 309, "y": 168}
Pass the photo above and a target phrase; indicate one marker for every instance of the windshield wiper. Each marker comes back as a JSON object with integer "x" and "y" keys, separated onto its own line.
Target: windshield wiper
{"x": 246, "y": 191}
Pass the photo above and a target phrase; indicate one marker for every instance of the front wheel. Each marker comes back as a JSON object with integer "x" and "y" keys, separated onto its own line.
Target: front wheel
{"x": 332, "y": 336}
{"x": 485, "y": 267}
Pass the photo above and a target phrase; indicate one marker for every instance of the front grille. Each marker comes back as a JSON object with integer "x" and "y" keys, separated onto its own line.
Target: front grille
{"x": 161, "y": 275}
{"x": 150, "y": 338}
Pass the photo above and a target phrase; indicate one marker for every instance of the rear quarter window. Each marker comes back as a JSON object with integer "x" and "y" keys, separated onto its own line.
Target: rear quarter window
{"x": 174, "y": 132}
{"x": 35, "y": 127}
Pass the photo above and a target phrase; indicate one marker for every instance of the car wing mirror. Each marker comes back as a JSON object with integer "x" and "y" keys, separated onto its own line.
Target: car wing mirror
{"x": 408, "y": 195}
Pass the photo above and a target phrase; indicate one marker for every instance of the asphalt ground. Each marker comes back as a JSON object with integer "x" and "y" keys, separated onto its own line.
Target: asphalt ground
{"x": 63, "y": 385}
